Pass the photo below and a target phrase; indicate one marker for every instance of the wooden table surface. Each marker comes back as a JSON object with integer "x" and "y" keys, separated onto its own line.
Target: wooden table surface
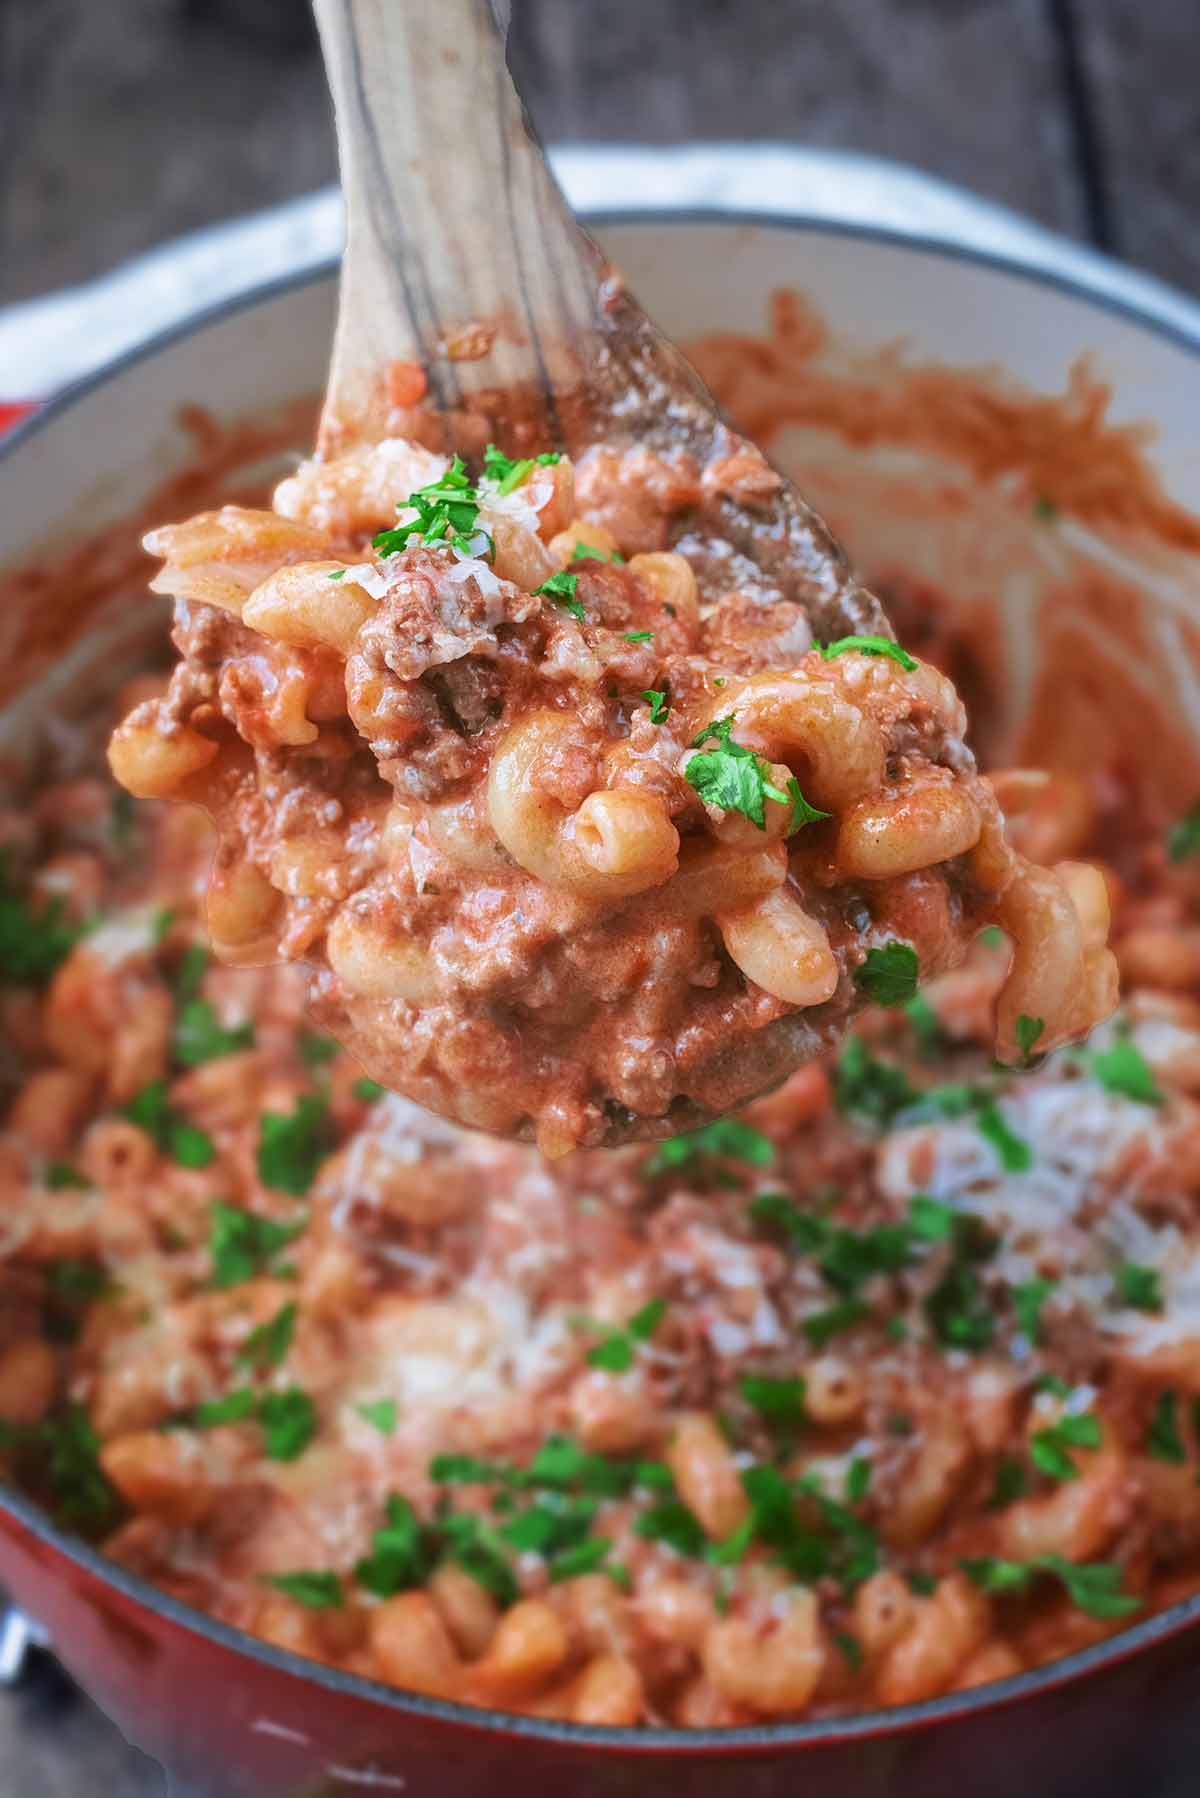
{"x": 123, "y": 122}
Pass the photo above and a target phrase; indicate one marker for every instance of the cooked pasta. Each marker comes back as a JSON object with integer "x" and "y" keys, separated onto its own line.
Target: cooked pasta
{"x": 576, "y": 847}
{"x": 883, "y": 1389}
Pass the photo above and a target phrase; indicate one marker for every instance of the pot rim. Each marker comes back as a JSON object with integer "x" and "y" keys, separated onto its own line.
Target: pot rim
{"x": 1133, "y": 299}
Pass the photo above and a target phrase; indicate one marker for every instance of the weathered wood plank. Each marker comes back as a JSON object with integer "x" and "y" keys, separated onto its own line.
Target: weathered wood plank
{"x": 967, "y": 88}
{"x": 1142, "y": 61}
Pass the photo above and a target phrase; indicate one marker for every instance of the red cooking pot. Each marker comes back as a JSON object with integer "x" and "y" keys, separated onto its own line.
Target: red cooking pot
{"x": 229, "y": 1716}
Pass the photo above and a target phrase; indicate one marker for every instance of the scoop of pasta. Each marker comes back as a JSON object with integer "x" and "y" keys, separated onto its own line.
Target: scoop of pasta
{"x": 582, "y": 834}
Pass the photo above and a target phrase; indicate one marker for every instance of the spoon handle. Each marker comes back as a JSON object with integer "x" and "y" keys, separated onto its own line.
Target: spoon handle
{"x": 456, "y": 234}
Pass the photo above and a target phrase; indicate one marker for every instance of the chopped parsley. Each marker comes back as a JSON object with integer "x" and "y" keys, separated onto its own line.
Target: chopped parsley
{"x": 779, "y": 1401}
{"x": 292, "y": 1146}
{"x": 193, "y": 965}
{"x": 34, "y": 940}
{"x": 1014, "y": 1153}
{"x": 1027, "y": 1301}
{"x": 402, "y": 1552}
{"x": 1183, "y": 838}
{"x": 674, "y": 1524}
{"x": 315, "y": 1591}
{"x": 858, "y": 1479}
{"x": 161, "y": 925}
{"x": 637, "y": 636}
{"x": 381, "y": 1414}
{"x": 83, "y": 1495}
{"x": 1123, "y": 1069}
{"x": 199, "y": 1037}
{"x": 802, "y": 812}
{"x": 930, "y": 1218}
{"x": 1028, "y": 1031}
{"x": 1048, "y": 1448}
{"x": 1138, "y": 1287}
{"x": 475, "y": 1547}
{"x": 870, "y": 1088}
{"x": 289, "y": 1422}
{"x": 1011, "y": 1482}
{"x": 561, "y": 589}
{"x": 339, "y": 574}
{"x": 268, "y": 1344}
{"x": 586, "y": 552}
{"x": 615, "y": 1354}
{"x": 957, "y": 1309}
{"x": 234, "y": 1407}
{"x": 658, "y": 703}
{"x": 185, "y": 1143}
{"x": 1093, "y": 1586}
{"x": 1044, "y": 510}
{"x": 850, "y": 1649}
{"x": 447, "y": 511}
{"x": 869, "y": 646}
{"x": 58, "y": 1175}
{"x": 728, "y": 1137}
{"x": 731, "y": 777}
{"x": 1163, "y": 1440}
{"x": 889, "y": 975}
{"x": 78, "y": 1282}
{"x": 315, "y": 1050}
{"x": 369, "y": 1091}
{"x": 242, "y": 1244}
{"x": 822, "y": 1326}
{"x": 926, "y": 1027}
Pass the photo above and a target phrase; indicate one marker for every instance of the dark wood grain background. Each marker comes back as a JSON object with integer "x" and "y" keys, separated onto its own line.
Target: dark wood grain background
{"x": 123, "y": 122}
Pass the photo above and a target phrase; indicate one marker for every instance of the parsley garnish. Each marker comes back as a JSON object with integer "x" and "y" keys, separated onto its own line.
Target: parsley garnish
{"x": 339, "y": 574}
{"x": 476, "y": 1548}
{"x": 731, "y": 776}
{"x": 199, "y": 1037}
{"x": 728, "y": 1137}
{"x": 822, "y": 1326}
{"x": 402, "y": 1554}
{"x": 869, "y": 646}
{"x": 60, "y": 1174}
{"x": 1016, "y": 1156}
{"x": 161, "y": 925}
{"x": 1163, "y": 1440}
{"x": 152, "y": 1112}
{"x": 1093, "y": 1586}
{"x": 315, "y": 1051}
{"x": 77, "y": 1282}
{"x": 369, "y": 1091}
{"x": 1123, "y": 1069}
{"x": 235, "y": 1407}
{"x": 268, "y": 1345}
{"x": 193, "y": 965}
{"x": 289, "y": 1423}
{"x": 779, "y": 1401}
{"x": 802, "y": 812}
{"x": 926, "y": 1027}
{"x": 673, "y": 1523}
{"x": 242, "y": 1243}
{"x": 871, "y": 1088}
{"x": 1011, "y": 1482}
{"x": 1139, "y": 1287}
{"x": 292, "y": 1147}
{"x": 637, "y": 637}
{"x": 1183, "y": 838}
{"x": 1028, "y": 1031}
{"x": 83, "y": 1496}
{"x": 930, "y": 1218}
{"x": 1027, "y": 1302}
{"x": 447, "y": 509}
{"x": 858, "y": 1479}
{"x": 561, "y": 589}
{"x": 1048, "y": 1447}
{"x": 957, "y": 1308}
{"x": 315, "y": 1591}
{"x": 506, "y": 473}
{"x": 34, "y": 941}
{"x": 889, "y": 975}
{"x": 584, "y": 552}
{"x": 616, "y": 1353}
{"x": 658, "y": 703}
{"x": 381, "y": 1414}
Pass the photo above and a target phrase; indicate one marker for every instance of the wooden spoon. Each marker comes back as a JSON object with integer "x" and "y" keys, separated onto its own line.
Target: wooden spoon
{"x": 462, "y": 257}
